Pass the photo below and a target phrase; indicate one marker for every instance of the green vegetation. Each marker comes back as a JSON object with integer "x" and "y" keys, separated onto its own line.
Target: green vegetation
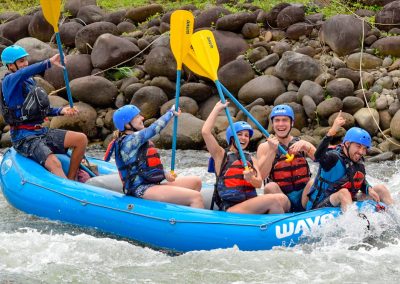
{"x": 119, "y": 73}
{"x": 331, "y": 8}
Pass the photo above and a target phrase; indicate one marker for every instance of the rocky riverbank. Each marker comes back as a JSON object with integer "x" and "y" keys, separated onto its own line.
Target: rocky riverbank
{"x": 285, "y": 55}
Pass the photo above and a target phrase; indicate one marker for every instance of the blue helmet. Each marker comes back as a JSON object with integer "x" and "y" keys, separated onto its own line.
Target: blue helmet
{"x": 358, "y": 135}
{"x": 239, "y": 126}
{"x": 124, "y": 115}
{"x": 13, "y": 53}
{"x": 282, "y": 110}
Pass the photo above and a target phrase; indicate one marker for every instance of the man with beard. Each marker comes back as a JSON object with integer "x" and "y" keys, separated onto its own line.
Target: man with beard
{"x": 341, "y": 175}
{"x": 291, "y": 178}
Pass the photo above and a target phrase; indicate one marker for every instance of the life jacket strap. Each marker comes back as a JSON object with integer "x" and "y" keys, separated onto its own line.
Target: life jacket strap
{"x": 26, "y": 127}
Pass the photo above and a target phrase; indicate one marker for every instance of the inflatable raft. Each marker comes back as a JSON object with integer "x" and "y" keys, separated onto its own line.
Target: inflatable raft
{"x": 30, "y": 188}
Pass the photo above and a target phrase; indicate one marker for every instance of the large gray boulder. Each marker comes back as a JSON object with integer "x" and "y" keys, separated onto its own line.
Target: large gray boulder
{"x": 78, "y": 66}
{"x": 367, "y": 121}
{"x": 235, "y": 74}
{"x": 297, "y": 67}
{"x": 16, "y": 29}
{"x": 110, "y": 50}
{"x": 161, "y": 62}
{"x": 149, "y": 100}
{"x": 94, "y": 90}
{"x": 343, "y": 33}
{"x": 266, "y": 87}
{"x": 87, "y": 36}
{"x": 73, "y": 6}
{"x": 189, "y": 133}
{"x": 39, "y": 27}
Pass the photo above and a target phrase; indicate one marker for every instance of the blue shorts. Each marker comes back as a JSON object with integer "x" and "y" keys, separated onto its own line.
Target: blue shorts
{"x": 141, "y": 189}
{"x": 39, "y": 147}
{"x": 295, "y": 201}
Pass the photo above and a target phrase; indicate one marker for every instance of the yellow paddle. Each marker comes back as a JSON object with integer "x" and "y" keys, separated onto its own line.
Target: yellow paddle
{"x": 181, "y": 31}
{"x": 191, "y": 61}
{"x": 206, "y": 51}
{"x": 51, "y": 11}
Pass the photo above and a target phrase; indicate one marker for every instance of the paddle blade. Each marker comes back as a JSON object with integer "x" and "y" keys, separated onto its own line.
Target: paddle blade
{"x": 205, "y": 48}
{"x": 51, "y": 11}
{"x": 181, "y": 30}
{"x": 190, "y": 60}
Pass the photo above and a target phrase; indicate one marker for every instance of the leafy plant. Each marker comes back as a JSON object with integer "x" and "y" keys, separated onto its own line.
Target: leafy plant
{"x": 120, "y": 73}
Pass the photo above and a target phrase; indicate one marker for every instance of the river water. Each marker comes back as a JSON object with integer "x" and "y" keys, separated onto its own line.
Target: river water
{"x": 33, "y": 250}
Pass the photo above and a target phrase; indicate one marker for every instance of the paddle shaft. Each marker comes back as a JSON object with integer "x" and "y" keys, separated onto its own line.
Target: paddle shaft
{"x": 175, "y": 129}
{"x": 228, "y": 115}
{"x": 248, "y": 114}
{"x": 65, "y": 72}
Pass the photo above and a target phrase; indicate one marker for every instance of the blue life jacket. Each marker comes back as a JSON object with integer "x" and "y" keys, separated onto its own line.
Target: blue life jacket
{"x": 147, "y": 169}
{"x": 344, "y": 174}
{"x": 34, "y": 109}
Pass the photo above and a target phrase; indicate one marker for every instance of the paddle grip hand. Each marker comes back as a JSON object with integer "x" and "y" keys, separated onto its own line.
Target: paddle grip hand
{"x": 176, "y": 113}
{"x": 56, "y": 60}
{"x": 170, "y": 177}
{"x": 220, "y": 106}
{"x": 249, "y": 173}
{"x": 69, "y": 111}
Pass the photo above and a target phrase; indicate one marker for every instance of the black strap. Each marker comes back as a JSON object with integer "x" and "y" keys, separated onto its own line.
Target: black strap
{"x": 216, "y": 198}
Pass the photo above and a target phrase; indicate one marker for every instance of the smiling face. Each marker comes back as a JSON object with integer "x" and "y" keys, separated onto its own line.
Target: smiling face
{"x": 137, "y": 122}
{"x": 244, "y": 138}
{"x": 19, "y": 64}
{"x": 355, "y": 151}
{"x": 281, "y": 126}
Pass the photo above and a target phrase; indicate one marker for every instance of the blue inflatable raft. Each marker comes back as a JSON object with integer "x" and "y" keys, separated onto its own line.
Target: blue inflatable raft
{"x": 30, "y": 188}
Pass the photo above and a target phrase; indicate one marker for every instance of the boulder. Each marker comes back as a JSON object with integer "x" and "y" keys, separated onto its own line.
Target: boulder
{"x": 73, "y": 6}
{"x": 209, "y": 17}
{"x": 328, "y": 107}
{"x": 90, "y": 14}
{"x": 141, "y": 14}
{"x": 340, "y": 88}
{"x": 188, "y": 134}
{"x": 297, "y": 67}
{"x": 149, "y": 100}
{"x": 240, "y": 70}
{"x": 343, "y": 33}
{"x": 110, "y": 50}
{"x": 16, "y": 29}
{"x": 389, "y": 16}
{"x": 266, "y": 87}
{"x": 365, "y": 120}
{"x": 161, "y": 62}
{"x": 94, "y": 90}
{"x": 186, "y": 104}
{"x": 78, "y": 66}
{"x": 235, "y": 22}
{"x": 39, "y": 27}
{"x": 369, "y": 61}
{"x": 388, "y": 46}
{"x": 87, "y": 36}
{"x": 289, "y": 16}
{"x": 68, "y": 33}
{"x": 197, "y": 91}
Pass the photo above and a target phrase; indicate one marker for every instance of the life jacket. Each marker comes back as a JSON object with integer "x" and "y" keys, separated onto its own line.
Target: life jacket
{"x": 34, "y": 109}
{"x": 147, "y": 169}
{"x": 345, "y": 174}
{"x": 290, "y": 176}
{"x": 231, "y": 185}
